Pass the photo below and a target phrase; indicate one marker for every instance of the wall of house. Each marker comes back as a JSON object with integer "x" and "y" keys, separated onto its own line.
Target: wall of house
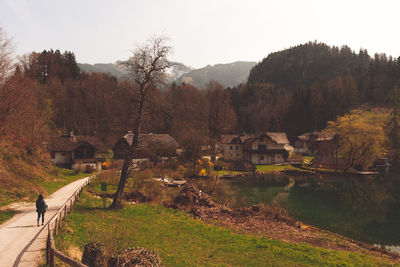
{"x": 61, "y": 158}
{"x": 302, "y": 147}
{"x": 83, "y": 166}
{"x": 261, "y": 159}
{"x": 267, "y": 143}
{"x": 233, "y": 151}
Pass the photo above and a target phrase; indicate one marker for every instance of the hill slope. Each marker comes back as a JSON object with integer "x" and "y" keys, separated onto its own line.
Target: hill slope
{"x": 306, "y": 64}
{"x": 230, "y": 74}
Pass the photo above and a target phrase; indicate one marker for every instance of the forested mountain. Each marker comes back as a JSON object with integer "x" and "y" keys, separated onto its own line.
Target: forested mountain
{"x": 228, "y": 75}
{"x": 301, "y": 88}
{"x": 307, "y": 64}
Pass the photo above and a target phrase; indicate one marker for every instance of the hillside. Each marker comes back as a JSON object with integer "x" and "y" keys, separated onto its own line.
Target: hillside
{"x": 300, "y": 89}
{"x": 228, "y": 75}
{"x": 25, "y": 175}
{"x": 306, "y": 64}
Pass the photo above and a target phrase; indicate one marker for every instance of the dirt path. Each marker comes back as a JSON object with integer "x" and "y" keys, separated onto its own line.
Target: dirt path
{"x": 21, "y": 241}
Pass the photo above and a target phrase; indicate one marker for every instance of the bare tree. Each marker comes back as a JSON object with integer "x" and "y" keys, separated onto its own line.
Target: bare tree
{"x": 146, "y": 68}
{"x": 5, "y": 70}
{"x": 6, "y": 49}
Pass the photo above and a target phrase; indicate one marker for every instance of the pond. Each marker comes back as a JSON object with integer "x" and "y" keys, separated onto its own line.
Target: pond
{"x": 363, "y": 208}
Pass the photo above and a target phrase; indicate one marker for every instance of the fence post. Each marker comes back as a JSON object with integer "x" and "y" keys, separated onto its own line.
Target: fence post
{"x": 48, "y": 248}
{"x": 65, "y": 211}
{"x": 52, "y": 247}
{"x": 55, "y": 226}
{"x": 70, "y": 205}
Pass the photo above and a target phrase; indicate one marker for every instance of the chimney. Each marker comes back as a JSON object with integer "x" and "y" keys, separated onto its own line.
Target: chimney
{"x": 72, "y": 136}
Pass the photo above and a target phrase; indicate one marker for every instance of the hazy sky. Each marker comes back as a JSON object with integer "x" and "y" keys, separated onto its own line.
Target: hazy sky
{"x": 202, "y": 32}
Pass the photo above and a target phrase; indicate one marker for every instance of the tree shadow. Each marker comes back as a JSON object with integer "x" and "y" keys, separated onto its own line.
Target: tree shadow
{"x": 23, "y": 226}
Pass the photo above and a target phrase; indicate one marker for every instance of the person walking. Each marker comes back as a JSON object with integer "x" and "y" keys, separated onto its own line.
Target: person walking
{"x": 41, "y": 208}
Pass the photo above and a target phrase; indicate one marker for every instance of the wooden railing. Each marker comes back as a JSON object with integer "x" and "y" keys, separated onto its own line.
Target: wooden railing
{"x": 55, "y": 224}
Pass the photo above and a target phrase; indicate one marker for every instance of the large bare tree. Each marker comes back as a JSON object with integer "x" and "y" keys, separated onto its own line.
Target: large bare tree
{"x": 146, "y": 68}
{"x": 6, "y": 49}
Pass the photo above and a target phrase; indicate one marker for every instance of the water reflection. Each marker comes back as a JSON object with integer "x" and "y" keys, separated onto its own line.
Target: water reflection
{"x": 360, "y": 207}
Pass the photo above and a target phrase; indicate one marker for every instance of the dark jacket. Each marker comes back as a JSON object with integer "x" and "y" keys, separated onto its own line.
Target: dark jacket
{"x": 41, "y": 206}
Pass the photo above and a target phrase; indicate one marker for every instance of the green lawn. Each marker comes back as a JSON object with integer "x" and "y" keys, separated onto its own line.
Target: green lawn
{"x": 270, "y": 168}
{"x": 183, "y": 241}
{"x": 5, "y": 215}
{"x": 261, "y": 168}
{"x": 65, "y": 176}
{"x": 225, "y": 172}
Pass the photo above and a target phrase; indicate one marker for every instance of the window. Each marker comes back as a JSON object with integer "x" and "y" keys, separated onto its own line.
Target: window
{"x": 237, "y": 147}
{"x": 262, "y": 147}
{"x": 261, "y": 157}
{"x": 53, "y": 154}
{"x": 230, "y": 147}
{"x": 237, "y": 155}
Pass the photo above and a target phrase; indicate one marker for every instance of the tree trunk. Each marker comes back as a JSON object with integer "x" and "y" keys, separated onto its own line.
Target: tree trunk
{"x": 118, "y": 198}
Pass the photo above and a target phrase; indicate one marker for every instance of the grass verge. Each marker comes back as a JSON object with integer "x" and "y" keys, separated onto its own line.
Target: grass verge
{"x": 65, "y": 176}
{"x": 6, "y": 214}
{"x": 183, "y": 241}
{"x": 272, "y": 168}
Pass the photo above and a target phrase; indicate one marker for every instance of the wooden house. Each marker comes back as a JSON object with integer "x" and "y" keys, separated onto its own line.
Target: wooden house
{"x": 77, "y": 152}
{"x": 233, "y": 146}
{"x": 325, "y": 149}
{"x": 151, "y": 146}
{"x": 302, "y": 145}
{"x": 264, "y": 148}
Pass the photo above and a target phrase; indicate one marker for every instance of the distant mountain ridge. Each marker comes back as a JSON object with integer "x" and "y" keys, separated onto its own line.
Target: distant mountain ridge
{"x": 115, "y": 70}
{"x": 228, "y": 75}
{"x": 109, "y": 68}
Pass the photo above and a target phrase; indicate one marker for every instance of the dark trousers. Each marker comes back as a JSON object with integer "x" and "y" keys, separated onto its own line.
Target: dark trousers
{"x": 38, "y": 216}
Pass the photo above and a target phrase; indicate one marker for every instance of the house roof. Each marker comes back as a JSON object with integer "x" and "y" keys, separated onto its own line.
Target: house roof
{"x": 146, "y": 140}
{"x": 323, "y": 136}
{"x": 227, "y": 138}
{"x": 277, "y": 137}
{"x": 235, "y": 138}
{"x": 317, "y": 136}
{"x": 69, "y": 143}
{"x": 305, "y": 136}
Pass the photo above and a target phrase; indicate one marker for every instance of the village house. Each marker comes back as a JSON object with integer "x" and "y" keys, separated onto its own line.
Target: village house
{"x": 265, "y": 148}
{"x": 78, "y": 152}
{"x": 325, "y": 149}
{"x": 302, "y": 145}
{"x": 151, "y": 146}
{"x": 233, "y": 146}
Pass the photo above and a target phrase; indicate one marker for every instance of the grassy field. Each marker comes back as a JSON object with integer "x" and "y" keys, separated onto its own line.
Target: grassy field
{"x": 5, "y": 215}
{"x": 65, "y": 176}
{"x": 183, "y": 241}
{"x": 262, "y": 168}
{"x": 271, "y": 168}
